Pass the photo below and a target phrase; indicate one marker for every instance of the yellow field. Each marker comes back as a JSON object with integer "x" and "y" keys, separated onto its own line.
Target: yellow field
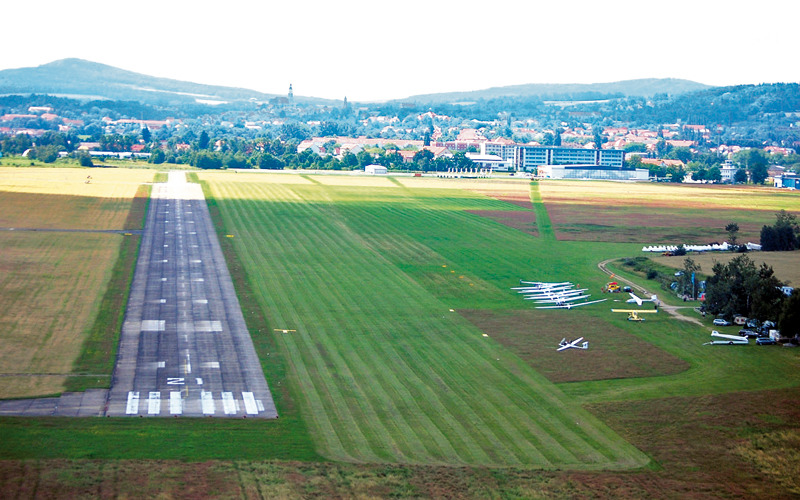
{"x": 60, "y": 198}
{"x": 51, "y": 282}
{"x": 785, "y": 264}
{"x": 674, "y": 195}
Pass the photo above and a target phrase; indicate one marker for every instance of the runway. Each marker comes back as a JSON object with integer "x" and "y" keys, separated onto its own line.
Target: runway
{"x": 185, "y": 350}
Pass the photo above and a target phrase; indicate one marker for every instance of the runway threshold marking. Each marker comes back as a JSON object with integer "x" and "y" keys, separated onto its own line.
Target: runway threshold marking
{"x": 133, "y": 403}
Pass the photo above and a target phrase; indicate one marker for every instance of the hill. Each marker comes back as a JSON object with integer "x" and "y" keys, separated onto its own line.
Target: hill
{"x": 85, "y": 79}
{"x": 646, "y": 87}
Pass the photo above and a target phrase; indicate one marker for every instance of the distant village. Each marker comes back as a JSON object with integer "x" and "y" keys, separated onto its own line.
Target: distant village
{"x": 425, "y": 141}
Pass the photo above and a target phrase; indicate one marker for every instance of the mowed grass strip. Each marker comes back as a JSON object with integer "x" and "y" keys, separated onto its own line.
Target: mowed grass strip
{"x": 383, "y": 370}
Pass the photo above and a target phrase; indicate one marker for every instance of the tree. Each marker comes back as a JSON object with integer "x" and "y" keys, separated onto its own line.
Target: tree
{"x": 759, "y": 174}
{"x": 85, "y": 159}
{"x": 714, "y": 174}
{"x": 789, "y": 320}
{"x": 783, "y": 236}
{"x": 202, "y": 142}
{"x": 732, "y": 228}
{"x": 424, "y": 159}
{"x": 740, "y": 176}
{"x": 740, "y": 288}
{"x": 688, "y": 279}
{"x": 699, "y": 175}
{"x": 146, "y": 136}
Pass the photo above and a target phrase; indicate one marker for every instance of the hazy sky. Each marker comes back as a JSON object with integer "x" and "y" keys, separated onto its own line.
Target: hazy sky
{"x": 372, "y": 50}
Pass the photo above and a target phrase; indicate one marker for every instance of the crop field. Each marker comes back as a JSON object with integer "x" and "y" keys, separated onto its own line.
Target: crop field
{"x": 53, "y": 274}
{"x": 409, "y": 369}
{"x": 660, "y": 213}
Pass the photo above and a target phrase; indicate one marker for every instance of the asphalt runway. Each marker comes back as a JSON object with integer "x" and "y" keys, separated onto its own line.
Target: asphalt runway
{"x": 184, "y": 349}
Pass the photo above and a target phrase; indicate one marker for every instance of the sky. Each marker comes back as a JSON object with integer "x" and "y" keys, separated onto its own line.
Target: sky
{"x": 378, "y": 50}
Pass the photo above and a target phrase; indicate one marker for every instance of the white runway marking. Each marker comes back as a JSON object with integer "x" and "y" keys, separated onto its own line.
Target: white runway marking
{"x": 175, "y": 403}
{"x": 153, "y": 325}
{"x": 228, "y": 403}
{"x": 210, "y": 364}
{"x": 133, "y": 403}
{"x": 250, "y": 403}
{"x": 207, "y": 402}
{"x": 154, "y": 403}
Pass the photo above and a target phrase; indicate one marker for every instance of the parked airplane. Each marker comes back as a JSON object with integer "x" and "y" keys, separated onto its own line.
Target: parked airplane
{"x": 639, "y": 300}
{"x": 730, "y": 339}
{"x": 543, "y": 283}
{"x": 633, "y": 314}
{"x": 570, "y": 305}
{"x": 558, "y": 298}
{"x": 575, "y": 344}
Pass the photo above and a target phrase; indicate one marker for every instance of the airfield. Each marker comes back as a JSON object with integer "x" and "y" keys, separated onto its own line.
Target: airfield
{"x": 402, "y": 364}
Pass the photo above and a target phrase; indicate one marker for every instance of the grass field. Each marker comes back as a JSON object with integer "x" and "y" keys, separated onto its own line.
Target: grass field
{"x": 389, "y": 388}
{"x": 52, "y": 282}
{"x": 330, "y": 263}
{"x": 661, "y": 213}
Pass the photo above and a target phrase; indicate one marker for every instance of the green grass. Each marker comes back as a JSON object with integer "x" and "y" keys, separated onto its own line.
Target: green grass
{"x": 382, "y": 370}
{"x": 95, "y": 363}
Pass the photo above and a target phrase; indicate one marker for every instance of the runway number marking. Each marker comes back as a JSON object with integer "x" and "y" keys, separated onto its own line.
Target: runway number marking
{"x": 175, "y": 381}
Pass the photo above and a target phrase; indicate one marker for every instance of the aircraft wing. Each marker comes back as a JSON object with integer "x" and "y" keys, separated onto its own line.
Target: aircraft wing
{"x": 636, "y": 299}
{"x": 587, "y": 303}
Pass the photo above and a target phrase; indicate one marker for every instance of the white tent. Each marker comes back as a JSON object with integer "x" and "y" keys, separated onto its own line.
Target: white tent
{"x": 375, "y": 169}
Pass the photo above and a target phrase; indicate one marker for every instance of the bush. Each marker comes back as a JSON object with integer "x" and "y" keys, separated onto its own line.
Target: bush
{"x": 652, "y": 274}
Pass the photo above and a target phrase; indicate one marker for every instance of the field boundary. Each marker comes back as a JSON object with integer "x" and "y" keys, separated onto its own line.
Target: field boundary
{"x": 543, "y": 222}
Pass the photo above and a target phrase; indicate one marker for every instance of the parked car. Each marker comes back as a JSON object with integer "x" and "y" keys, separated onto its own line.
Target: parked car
{"x": 765, "y": 341}
{"x": 721, "y": 322}
{"x": 751, "y": 334}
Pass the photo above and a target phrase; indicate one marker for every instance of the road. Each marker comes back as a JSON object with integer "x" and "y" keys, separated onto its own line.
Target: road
{"x": 184, "y": 348}
{"x": 673, "y": 311}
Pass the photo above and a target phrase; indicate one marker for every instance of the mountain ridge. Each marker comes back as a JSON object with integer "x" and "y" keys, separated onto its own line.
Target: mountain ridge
{"x": 91, "y": 80}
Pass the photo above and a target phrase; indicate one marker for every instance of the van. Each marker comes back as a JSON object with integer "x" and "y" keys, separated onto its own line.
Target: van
{"x": 740, "y": 320}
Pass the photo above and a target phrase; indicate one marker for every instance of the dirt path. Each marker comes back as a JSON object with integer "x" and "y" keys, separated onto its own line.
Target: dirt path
{"x": 671, "y": 310}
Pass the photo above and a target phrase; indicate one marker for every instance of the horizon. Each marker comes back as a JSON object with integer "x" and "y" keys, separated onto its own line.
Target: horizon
{"x": 392, "y": 51}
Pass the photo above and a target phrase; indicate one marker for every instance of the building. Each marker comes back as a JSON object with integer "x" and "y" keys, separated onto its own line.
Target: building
{"x": 592, "y": 172}
{"x": 490, "y": 162}
{"x": 728, "y": 172}
{"x": 529, "y": 158}
{"x": 375, "y": 169}
{"x": 787, "y": 180}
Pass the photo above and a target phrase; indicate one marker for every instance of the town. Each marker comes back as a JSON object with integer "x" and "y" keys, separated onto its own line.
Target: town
{"x": 559, "y": 139}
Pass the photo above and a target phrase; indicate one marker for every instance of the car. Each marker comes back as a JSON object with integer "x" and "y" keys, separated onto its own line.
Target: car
{"x": 753, "y": 323}
{"x": 721, "y": 322}
{"x": 765, "y": 341}
{"x": 744, "y": 332}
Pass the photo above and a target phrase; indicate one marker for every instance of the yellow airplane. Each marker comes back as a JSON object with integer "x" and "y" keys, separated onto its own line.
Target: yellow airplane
{"x": 633, "y": 315}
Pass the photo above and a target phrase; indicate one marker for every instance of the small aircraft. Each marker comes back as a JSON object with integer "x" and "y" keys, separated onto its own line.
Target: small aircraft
{"x": 638, "y": 300}
{"x": 553, "y": 292}
{"x": 570, "y": 305}
{"x": 730, "y": 339}
{"x": 539, "y": 289}
{"x": 544, "y": 284}
{"x": 558, "y": 298}
{"x": 633, "y": 314}
{"x": 575, "y": 344}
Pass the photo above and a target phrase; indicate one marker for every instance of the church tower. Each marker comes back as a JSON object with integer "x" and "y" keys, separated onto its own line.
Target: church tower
{"x": 291, "y": 94}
